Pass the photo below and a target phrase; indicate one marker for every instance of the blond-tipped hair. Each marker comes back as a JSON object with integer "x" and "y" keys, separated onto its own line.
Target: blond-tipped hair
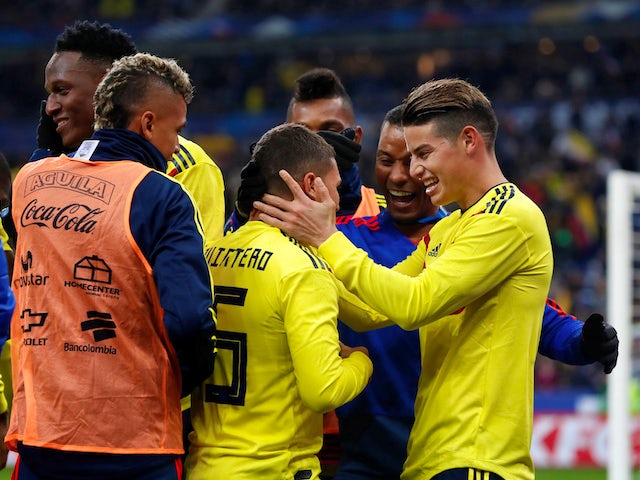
{"x": 128, "y": 84}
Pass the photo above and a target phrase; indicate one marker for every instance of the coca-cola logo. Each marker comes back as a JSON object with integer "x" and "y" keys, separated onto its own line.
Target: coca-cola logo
{"x": 75, "y": 216}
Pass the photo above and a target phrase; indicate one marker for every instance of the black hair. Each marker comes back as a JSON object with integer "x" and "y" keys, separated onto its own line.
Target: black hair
{"x": 98, "y": 42}
{"x": 316, "y": 84}
{"x": 394, "y": 116}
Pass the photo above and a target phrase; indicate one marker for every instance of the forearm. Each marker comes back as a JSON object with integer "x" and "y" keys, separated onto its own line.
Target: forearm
{"x": 408, "y": 301}
{"x": 561, "y": 336}
{"x": 356, "y": 314}
{"x": 325, "y": 379}
{"x": 414, "y": 263}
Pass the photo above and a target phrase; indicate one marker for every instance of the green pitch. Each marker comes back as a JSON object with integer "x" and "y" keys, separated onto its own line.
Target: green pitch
{"x": 571, "y": 475}
{"x": 585, "y": 474}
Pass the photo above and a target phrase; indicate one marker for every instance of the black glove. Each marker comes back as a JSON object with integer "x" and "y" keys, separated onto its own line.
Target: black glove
{"x": 600, "y": 341}
{"x": 347, "y": 151}
{"x": 252, "y": 187}
{"x": 46, "y": 136}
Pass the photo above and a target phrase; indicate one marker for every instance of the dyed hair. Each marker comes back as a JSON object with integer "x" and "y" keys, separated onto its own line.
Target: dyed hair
{"x": 128, "y": 83}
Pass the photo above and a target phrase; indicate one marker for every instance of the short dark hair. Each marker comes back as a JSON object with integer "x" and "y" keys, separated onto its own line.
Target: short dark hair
{"x": 394, "y": 116}
{"x": 316, "y": 84}
{"x": 97, "y": 42}
{"x": 452, "y": 104}
{"x": 294, "y": 148}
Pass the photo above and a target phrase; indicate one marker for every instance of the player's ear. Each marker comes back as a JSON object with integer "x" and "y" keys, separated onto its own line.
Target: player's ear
{"x": 145, "y": 124}
{"x": 470, "y": 138}
{"x": 307, "y": 184}
{"x": 358, "y": 137}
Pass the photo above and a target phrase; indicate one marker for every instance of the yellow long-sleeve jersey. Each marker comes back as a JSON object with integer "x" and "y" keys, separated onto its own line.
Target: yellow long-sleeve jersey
{"x": 477, "y": 292}
{"x": 194, "y": 169}
{"x": 278, "y": 366}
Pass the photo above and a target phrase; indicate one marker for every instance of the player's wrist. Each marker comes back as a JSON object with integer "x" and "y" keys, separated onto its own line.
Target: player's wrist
{"x": 325, "y": 235}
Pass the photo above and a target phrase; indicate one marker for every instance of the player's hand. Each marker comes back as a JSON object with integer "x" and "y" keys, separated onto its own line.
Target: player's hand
{"x": 346, "y": 351}
{"x": 46, "y": 135}
{"x": 600, "y": 341}
{"x": 307, "y": 220}
{"x": 347, "y": 151}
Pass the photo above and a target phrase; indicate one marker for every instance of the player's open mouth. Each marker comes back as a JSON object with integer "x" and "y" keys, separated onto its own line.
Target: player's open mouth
{"x": 431, "y": 185}
{"x": 60, "y": 125}
{"x": 399, "y": 196}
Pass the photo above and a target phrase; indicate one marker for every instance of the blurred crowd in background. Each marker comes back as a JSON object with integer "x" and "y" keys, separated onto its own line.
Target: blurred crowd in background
{"x": 154, "y": 10}
{"x": 567, "y": 98}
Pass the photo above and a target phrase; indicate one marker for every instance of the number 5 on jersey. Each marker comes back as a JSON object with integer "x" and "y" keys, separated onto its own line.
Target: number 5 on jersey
{"x": 231, "y": 361}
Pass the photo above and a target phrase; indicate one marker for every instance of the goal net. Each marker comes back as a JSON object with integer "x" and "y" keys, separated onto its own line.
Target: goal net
{"x": 623, "y": 312}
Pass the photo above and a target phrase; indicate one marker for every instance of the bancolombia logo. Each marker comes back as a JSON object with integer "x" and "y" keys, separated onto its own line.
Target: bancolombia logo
{"x": 76, "y": 216}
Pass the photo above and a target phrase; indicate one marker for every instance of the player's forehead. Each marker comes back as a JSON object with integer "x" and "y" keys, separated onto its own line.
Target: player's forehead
{"x": 421, "y": 136}
{"x": 322, "y": 114}
{"x": 391, "y": 135}
{"x": 71, "y": 67}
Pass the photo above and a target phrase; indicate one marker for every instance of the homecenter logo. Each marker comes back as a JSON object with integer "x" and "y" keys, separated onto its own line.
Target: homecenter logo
{"x": 93, "y": 275}
{"x": 92, "y": 269}
{"x": 85, "y": 184}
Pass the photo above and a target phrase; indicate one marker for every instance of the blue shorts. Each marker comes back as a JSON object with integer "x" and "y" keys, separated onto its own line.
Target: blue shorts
{"x": 47, "y": 464}
{"x": 373, "y": 447}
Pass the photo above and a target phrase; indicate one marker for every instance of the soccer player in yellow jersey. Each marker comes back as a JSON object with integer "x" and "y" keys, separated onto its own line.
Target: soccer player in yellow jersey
{"x": 475, "y": 287}
{"x": 194, "y": 169}
{"x": 280, "y": 365}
